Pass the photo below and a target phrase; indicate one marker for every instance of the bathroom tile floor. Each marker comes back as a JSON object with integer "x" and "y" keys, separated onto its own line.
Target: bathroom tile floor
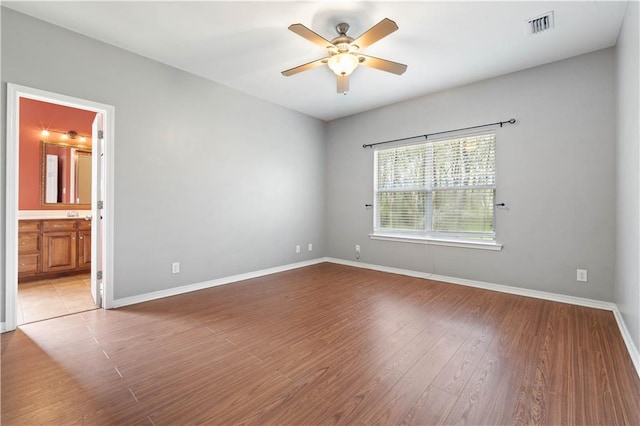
{"x": 39, "y": 300}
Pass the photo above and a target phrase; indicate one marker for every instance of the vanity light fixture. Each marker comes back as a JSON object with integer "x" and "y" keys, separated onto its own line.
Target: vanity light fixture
{"x": 70, "y": 134}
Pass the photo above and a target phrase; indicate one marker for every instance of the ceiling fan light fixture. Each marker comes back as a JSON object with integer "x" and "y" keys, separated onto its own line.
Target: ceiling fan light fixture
{"x": 343, "y": 64}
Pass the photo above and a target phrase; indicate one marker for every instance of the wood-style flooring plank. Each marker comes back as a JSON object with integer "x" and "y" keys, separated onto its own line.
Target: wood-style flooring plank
{"x": 398, "y": 401}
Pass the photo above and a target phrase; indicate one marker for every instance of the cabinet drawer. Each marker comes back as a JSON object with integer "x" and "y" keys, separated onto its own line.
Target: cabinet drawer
{"x": 58, "y": 225}
{"x": 84, "y": 224}
{"x": 28, "y": 243}
{"x": 28, "y": 225}
{"x": 28, "y": 263}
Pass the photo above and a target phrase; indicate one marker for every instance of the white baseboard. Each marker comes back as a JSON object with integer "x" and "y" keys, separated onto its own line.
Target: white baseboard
{"x": 554, "y": 297}
{"x": 388, "y": 269}
{"x": 590, "y": 303}
{"x": 146, "y": 297}
{"x": 537, "y": 294}
{"x": 3, "y": 327}
{"x": 626, "y": 336}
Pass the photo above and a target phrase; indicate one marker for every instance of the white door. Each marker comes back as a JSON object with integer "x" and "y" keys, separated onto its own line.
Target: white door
{"x": 97, "y": 221}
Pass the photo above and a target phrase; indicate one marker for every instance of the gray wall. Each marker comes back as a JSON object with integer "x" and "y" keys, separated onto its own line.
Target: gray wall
{"x": 627, "y": 272}
{"x": 555, "y": 171}
{"x": 218, "y": 180}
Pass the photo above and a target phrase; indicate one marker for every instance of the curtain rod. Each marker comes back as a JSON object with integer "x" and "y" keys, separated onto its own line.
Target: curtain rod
{"x": 512, "y": 121}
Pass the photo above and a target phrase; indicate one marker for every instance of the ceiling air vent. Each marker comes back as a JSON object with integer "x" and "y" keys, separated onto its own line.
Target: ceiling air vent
{"x": 540, "y": 23}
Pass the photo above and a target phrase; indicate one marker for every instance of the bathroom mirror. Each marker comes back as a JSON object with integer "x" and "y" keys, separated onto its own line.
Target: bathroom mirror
{"x": 65, "y": 175}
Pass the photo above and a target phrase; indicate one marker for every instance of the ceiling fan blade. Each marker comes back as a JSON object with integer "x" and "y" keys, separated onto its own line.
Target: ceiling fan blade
{"x": 375, "y": 33}
{"x": 383, "y": 64}
{"x": 305, "y": 32}
{"x": 305, "y": 67}
{"x": 343, "y": 84}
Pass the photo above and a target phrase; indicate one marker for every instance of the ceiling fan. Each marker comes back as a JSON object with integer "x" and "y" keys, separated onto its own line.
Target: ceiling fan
{"x": 344, "y": 54}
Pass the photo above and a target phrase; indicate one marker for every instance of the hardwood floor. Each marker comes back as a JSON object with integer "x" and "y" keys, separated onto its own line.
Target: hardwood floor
{"x": 54, "y": 297}
{"x": 325, "y": 344}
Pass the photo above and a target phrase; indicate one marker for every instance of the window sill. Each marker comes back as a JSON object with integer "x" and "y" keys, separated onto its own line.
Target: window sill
{"x": 481, "y": 245}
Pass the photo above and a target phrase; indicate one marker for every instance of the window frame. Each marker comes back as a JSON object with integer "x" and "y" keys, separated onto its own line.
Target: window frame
{"x": 477, "y": 240}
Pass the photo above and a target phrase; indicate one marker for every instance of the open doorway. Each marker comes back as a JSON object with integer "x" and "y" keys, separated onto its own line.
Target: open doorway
{"x": 54, "y": 210}
{"x": 59, "y": 191}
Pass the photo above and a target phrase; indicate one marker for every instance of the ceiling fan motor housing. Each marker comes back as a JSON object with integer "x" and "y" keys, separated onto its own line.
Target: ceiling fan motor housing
{"x": 343, "y": 41}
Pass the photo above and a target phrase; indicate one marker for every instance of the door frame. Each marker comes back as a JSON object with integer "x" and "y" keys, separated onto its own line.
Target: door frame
{"x": 14, "y": 93}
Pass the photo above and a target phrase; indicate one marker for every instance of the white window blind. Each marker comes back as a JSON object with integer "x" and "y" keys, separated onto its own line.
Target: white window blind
{"x": 441, "y": 189}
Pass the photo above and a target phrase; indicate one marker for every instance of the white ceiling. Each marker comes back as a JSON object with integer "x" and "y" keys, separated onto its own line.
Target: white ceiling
{"x": 245, "y": 45}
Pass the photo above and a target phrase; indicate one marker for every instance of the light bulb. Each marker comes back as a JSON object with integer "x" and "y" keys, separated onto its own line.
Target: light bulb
{"x": 343, "y": 63}
{"x": 45, "y": 133}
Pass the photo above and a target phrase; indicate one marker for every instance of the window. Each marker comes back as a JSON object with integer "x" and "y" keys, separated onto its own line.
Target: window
{"x": 440, "y": 190}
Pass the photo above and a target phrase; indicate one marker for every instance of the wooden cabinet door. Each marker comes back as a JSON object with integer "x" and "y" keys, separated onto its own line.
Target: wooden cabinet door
{"x": 84, "y": 249}
{"x": 59, "y": 251}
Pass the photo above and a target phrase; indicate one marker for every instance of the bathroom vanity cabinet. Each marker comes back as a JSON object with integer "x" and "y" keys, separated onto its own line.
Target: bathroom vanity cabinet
{"x": 51, "y": 247}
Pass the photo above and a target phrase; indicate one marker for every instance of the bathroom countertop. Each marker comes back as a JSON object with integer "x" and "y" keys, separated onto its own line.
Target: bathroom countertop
{"x": 53, "y": 214}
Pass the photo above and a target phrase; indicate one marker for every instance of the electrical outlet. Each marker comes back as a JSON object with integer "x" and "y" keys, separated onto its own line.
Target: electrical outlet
{"x": 581, "y": 275}
{"x": 357, "y": 248}
{"x": 310, "y": 246}
{"x": 298, "y": 248}
{"x": 175, "y": 267}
